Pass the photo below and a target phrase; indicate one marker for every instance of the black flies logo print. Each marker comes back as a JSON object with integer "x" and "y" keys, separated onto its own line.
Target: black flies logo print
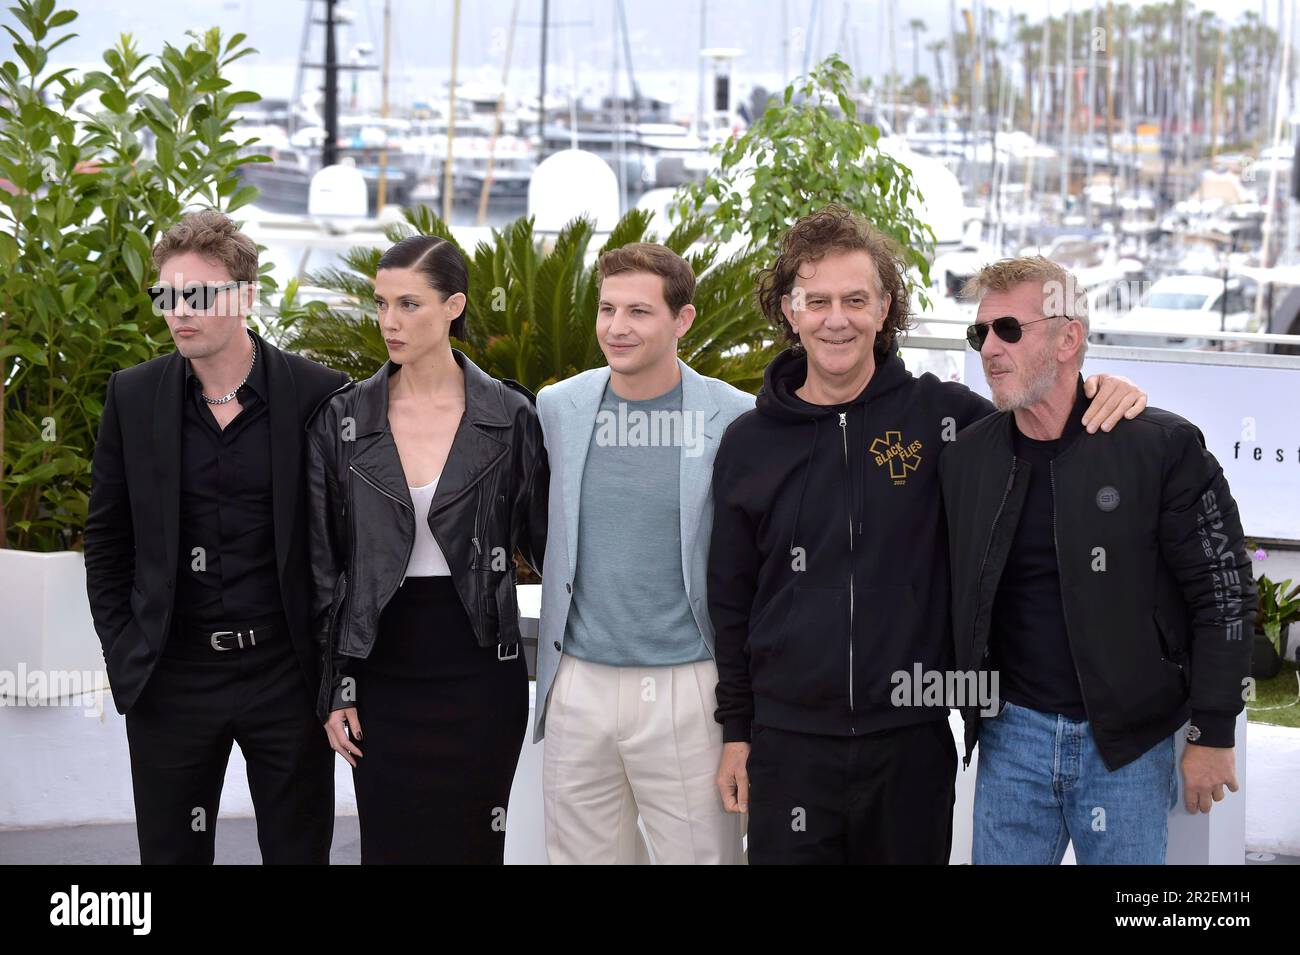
{"x": 901, "y": 458}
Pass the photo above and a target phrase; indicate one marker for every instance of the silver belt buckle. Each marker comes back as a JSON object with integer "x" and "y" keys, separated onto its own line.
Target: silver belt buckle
{"x": 238, "y": 635}
{"x": 514, "y": 647}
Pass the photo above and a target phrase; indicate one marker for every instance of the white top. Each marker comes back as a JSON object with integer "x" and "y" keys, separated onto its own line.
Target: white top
{"x": 426, "y": 556}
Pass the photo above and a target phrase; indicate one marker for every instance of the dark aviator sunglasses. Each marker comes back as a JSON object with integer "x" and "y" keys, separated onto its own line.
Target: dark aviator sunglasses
{"x": 1009, "y": 329}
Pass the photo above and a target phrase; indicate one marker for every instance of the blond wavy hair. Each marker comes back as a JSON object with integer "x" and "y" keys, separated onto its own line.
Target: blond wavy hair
{"x": 214, "y": 236}
{"x": 1061, "y": 293}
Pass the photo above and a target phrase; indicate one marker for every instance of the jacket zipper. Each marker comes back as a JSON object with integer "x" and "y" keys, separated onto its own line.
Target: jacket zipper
{"x": 979, "y": 578}
{"x": 1065, "y": 618}
{"x": 349, "y": 511}
{"x": 478, "y": 502}
{"x": 476, "y": 613}
{"x": 393, "y": 497}
{"x": 844, "y": 434}
{"x": 474, "y": 560}
{"x": 335, "y": 613}
{"x": 478, "y": 551}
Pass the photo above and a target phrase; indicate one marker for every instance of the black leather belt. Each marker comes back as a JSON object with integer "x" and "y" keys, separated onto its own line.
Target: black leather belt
{"x": 225, "y": 639}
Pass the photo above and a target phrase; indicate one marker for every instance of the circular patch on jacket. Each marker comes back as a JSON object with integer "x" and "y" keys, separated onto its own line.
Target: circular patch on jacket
{"x": 1108, "y": 498}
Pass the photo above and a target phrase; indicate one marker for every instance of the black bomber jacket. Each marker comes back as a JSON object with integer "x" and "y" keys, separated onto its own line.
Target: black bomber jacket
{"x": 1156, "y": 585}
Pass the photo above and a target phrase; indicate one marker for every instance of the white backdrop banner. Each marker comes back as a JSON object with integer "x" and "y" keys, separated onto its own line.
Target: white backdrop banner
{"x": 1250, "y": 417}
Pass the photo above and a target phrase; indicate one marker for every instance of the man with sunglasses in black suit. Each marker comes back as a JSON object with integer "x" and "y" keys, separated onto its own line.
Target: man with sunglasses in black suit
{"x": 1104, "y": 578}
{"x": 827, "y": 570}
{"x": 196, "y": 562}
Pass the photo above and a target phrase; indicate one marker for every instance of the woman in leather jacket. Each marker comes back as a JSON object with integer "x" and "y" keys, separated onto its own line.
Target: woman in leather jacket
{"x": 425, "y": 480}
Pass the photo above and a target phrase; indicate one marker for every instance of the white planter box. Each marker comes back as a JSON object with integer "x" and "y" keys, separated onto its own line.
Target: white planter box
{"x": 66, "y": 762}
{"x": 1272, "y": 817}
{"x": 48, "y": 647}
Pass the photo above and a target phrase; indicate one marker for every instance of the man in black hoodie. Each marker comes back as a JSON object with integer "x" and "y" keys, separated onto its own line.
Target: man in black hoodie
{"x": 828, "y": 565}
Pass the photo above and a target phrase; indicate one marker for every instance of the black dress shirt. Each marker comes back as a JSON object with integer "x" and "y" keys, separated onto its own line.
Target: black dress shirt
{"x": 225, "y": 509}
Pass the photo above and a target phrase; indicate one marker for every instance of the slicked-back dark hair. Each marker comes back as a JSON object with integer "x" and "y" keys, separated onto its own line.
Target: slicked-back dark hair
{"x": 441, "y": 264}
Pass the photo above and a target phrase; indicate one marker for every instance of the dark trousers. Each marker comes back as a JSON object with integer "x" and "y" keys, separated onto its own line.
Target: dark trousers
{"x": 883, "y": 798}
{"x": 198, "y": 702}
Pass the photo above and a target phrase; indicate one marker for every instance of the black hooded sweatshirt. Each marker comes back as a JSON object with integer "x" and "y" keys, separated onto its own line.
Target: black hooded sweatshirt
{"x": 828, "y": 563}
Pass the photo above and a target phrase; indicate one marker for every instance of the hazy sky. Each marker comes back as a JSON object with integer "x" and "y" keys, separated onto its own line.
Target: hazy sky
{"x": 665, "y": 36}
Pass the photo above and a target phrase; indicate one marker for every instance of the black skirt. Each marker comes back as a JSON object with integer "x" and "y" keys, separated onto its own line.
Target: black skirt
{"x": 442, "y": 723}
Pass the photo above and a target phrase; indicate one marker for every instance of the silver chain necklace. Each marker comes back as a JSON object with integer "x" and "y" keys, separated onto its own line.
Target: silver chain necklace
{"x": 231, "y": 397}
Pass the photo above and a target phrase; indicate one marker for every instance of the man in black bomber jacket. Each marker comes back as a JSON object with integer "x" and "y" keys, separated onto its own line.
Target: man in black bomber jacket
{"x": 1104, "y": 577}
{"x": 828, "y": 566}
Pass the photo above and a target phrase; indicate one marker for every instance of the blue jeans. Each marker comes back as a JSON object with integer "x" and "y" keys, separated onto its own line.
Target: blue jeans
{"x": 1041, "y": 784}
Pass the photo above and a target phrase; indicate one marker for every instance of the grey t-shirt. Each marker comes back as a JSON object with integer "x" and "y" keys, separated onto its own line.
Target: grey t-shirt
{"x": 629, "y": 603}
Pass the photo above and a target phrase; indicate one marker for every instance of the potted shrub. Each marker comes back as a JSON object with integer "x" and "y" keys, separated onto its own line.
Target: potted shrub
{"x": 94, "y": 164}
{"x": 1279, "y": 607}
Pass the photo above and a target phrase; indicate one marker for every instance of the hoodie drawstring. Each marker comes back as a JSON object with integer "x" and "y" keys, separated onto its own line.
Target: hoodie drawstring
{"x": 803, "y": 487}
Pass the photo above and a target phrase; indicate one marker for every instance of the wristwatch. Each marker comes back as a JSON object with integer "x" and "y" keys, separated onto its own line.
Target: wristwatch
{"x": 1193, "y": 733}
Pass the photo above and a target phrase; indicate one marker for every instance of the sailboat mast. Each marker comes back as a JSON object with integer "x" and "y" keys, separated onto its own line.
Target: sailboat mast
{"x": 785, "y": 50}
{"x": 1268, "y": 257}
{"x": 1218, "y": 98}
{"x": 496, "y": 121}
{"x": 451, "y": 114}
{"x": 1092, "y": 100}
{"x": 541, "y": 84}
{"x": 1036, "y": 128}
{"x": 893, "y": 66}
{"x": 330, "y": 148}
{"x": 304, "y": 44}
{"x": 699, "y": 96}
{"x": 381, "y": 193}
{"x": 1110, "y": 104}
{"x": 1069, "y": 105}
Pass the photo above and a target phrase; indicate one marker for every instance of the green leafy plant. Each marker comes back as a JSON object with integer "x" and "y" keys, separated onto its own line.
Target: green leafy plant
{"x": 1279, "y": 606}
{"x": 531, "y": 308}
{"x": 805, "y": 150}
{"x": 97, "y": 166}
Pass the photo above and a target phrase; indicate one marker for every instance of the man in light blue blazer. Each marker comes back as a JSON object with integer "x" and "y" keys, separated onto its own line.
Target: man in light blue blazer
{"x": 626, "y": 679}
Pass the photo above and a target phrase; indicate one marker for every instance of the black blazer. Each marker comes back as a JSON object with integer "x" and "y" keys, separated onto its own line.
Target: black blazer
{"x": 132, "y": 525}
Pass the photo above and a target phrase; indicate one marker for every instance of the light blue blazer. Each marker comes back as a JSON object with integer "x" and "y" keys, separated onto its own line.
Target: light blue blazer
{"x": 568, "y": 411}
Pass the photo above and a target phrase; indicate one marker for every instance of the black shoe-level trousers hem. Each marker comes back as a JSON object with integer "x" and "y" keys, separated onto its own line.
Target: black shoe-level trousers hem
{"x": 442, "y": 724}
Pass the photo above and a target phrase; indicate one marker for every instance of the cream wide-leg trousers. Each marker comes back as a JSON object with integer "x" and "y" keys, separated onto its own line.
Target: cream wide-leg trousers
{"x": 623, "y": 741}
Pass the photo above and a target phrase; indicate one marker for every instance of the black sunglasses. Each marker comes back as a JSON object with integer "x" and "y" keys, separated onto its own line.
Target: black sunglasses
{"x": 1009, "y": 329}
{"x": 197, "y": 296}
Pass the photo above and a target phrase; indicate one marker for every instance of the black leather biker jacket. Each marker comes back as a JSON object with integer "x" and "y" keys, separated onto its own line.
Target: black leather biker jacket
{"x": 490, "y": 501}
